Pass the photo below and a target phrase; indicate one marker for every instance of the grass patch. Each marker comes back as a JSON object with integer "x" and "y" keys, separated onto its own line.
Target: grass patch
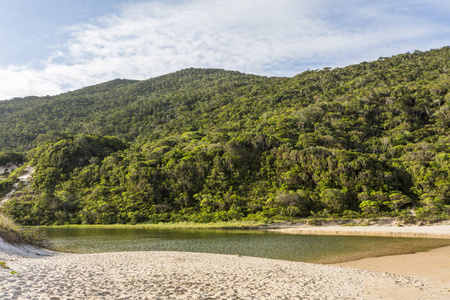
{"x": 243, "y": 224}
{"x": 3, "y": 265}
{"x": 180, "y": 225}
{"x": 11, "y": 233}
{"x": 357, "y": 224}
{"x": 8, "y": 224}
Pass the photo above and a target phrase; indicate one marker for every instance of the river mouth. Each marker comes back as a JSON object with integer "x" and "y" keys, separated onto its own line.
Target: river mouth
{"x": 323, "y": 249}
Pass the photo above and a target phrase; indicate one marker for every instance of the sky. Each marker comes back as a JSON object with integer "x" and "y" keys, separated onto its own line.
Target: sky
{"x": 48, "y": 47}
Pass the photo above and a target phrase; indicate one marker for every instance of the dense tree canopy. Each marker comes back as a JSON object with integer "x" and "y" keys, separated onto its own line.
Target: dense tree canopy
{"x": 206, "y": 145}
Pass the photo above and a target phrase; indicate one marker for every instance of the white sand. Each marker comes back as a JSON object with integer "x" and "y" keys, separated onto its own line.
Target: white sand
{"x": 11, "y": 252}
{"x": 179, "y": 275}
{"x": 9, "y": 167}
{"x": 433, "y": 266}
{"x": 436, "y": 231}
{"x": 24, "y": 177}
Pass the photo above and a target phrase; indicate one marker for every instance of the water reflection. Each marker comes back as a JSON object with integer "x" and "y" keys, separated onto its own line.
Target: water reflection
{"x": 306, "y": 248}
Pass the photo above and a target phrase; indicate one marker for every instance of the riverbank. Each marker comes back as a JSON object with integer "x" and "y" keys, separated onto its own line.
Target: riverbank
{"x": 434, "y": 231}
{"x": 181, "y": 275}
{"x": 259, "y": 225}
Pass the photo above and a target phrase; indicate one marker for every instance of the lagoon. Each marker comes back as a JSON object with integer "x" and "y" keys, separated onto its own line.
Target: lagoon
{"x": 257, "y": 243}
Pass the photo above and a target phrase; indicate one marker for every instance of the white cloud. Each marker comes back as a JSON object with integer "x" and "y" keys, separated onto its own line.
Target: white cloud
{"x": 264, "y": 37}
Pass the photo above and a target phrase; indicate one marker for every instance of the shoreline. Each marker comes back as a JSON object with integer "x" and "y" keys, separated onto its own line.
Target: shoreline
{"x": 434, "y": 263}
{"x": 413, "y": 231}
{"x": 183, "y": 275}
{"x": 379, "y": 259}
{"x": 431, "y": 267}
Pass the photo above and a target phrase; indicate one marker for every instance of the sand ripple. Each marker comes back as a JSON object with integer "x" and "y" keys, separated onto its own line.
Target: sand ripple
{"x": 179, "y": 275}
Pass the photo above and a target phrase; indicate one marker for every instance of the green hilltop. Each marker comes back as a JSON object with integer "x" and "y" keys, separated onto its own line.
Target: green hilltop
{"x": 207, "y": 145}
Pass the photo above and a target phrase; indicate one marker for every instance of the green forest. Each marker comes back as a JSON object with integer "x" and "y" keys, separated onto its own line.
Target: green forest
{"x": 207, "y": 145}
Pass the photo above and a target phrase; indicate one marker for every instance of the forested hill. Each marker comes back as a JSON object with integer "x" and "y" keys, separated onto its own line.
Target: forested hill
{"x": 202, "y": 145}
{"x": 129, "y": 109}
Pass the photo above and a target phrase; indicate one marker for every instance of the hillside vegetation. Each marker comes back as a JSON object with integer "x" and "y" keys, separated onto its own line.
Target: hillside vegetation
{"x": 204, "y": 145}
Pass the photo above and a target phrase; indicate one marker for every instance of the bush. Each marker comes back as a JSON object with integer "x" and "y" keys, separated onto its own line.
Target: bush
{"x": 7, "y": 157}
{"x": 7, "y": 224}
{"x": 35, "y": 238}
{"x": 11, "y": 233}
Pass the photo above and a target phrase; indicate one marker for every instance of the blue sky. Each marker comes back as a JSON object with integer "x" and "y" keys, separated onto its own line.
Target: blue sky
{"x": 52, "y": 46}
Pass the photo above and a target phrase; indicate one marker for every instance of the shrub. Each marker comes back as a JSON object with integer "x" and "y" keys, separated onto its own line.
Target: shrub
{"x": 11, "y": 233}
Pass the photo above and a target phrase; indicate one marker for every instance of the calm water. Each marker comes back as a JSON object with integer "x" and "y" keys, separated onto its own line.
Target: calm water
{"x": 306, "y": 248}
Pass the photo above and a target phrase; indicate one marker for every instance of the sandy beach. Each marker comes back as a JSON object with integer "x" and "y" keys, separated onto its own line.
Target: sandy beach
{"x": 432, "y": 267}
{"x": 433, "y": 231}
{"x": 177, "y": 275}
{"x": 181, "y": 275}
